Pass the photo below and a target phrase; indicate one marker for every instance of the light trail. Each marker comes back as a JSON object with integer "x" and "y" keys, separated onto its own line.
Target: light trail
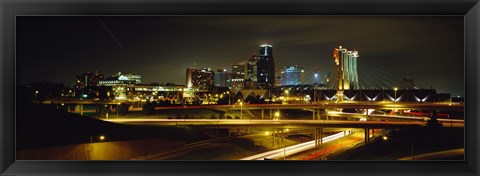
{"x": 295, "y": 148}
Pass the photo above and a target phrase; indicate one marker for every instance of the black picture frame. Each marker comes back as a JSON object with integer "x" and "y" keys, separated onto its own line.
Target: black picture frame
{"x": 9, "y": 9}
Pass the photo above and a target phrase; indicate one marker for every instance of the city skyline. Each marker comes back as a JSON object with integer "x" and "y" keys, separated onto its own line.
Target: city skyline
{"x": 112, "y": 44}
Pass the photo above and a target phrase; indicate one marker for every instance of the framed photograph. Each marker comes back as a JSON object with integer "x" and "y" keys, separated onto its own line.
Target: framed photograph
{"x": 235, "y": 88}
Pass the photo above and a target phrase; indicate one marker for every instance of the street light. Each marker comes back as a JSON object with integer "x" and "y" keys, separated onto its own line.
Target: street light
{"x": 395, "y": 100}
{"x": 228, "y": 97}
{"x": 36, "y": 92}
{"x": 395, "y": 89}
{"x": 100, "y": 138}
{"x": 407, "y": 142}
{"x": 286, "y": 96}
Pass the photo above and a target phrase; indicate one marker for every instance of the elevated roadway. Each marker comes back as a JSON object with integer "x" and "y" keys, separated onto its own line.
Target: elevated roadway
{"x": 387, "y": 105}
{"x": 226, "y": 123}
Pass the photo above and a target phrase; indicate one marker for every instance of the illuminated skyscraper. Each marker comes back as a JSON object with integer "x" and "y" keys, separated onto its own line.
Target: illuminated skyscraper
{"x": 347, "y": 68}
{"x": 252, "y": 68}
{"x": 87, "y": 79}
{"x": 238, "y": 71}
{"x": 292, "y": 75}
{"x": 266, "y": 67}
{"x": 238, "y": 77}
{"x": 202, "y": 79}
{"x": 222, "y": 78}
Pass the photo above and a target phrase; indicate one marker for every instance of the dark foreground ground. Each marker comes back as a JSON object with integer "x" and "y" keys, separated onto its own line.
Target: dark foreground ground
{"x": 40, "y": 126}
{"x": 398, "y": 144}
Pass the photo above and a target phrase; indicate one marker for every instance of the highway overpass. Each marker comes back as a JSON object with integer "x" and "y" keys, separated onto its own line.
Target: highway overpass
{"x": 226, "y": 123}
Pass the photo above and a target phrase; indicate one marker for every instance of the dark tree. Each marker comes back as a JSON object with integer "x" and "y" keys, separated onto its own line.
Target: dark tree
{"x": 148, "y": 108}
{"x": 123, "y": 109}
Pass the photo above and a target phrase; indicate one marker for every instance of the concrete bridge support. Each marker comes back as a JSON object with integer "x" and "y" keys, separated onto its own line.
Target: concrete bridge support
{"x": 318, "y": 114}
{"x": 367, "y": 135}
{"x": 273, "y": 138}
{"x": 318, "y": 137}
{"x": 81, "y": 109}
{"x": 263, "y": 114}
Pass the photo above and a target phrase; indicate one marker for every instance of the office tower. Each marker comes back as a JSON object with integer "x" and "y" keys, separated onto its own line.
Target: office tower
{"x": 87, "y": 79}
{"x": 222, "y": 78}
{"x": 347, "y": 68}
{"x": 238, "y": 71}
{"x": 202, "y": 79}
{"x": 266, "y": 67}
{"x": 292, "y": 75}
{"x": 252, "y": 68}
{"x": 238, "y": 77}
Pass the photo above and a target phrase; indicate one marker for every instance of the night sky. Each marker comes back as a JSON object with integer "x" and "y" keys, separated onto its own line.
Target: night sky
{"x": 430, "y": 50}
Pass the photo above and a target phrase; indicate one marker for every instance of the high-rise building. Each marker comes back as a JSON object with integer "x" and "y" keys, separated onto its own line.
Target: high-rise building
{"x": 266, "y": 67}
{"x": 238, "y": 77}
{"x": 238, "y": 71}
{"x": 347, "y": 68}
{"x": 252, "y": 68}
{"x": 237, "y": 84}
{"x": 222, "y": 78}
{"x": 87, "y": 79}
{"x": 202, "y": 79}
{"x": 292, "y": 75}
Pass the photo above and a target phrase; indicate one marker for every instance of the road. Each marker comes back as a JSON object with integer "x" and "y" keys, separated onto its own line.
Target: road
{"x": 225, "y": 123}
{"x": 293, "y": 149}
{"x": 229, "y": 148}
{"x": 387, "y": 105}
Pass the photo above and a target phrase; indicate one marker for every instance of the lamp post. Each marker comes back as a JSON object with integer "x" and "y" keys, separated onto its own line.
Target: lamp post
{"x": 286, "y": 96}
{"x": 228, "y": 97}
{"x": 395, "y": 99}
{"x": 399, "y": 140}
{"x": 36, "y": 92}
{"x": 395, "y": 90}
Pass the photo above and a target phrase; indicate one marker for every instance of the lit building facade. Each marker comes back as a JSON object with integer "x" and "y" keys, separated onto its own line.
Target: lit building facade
{"x": 127, "y": 90}
{"x": 238, "y": 71}
{"x": 222, "y": 78}
{"x": 252, "y": 68}
{"x": 237, "y": 84}
{"x": 122, "y": 85}
{"x": 266, "y": 67}
{"x": 202, "y": 79}
{"x": 137, "y": 79}
{"x": 292, "y": 75}
{"x": 346, "y": 62}
{"x": 87, "y": 79}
